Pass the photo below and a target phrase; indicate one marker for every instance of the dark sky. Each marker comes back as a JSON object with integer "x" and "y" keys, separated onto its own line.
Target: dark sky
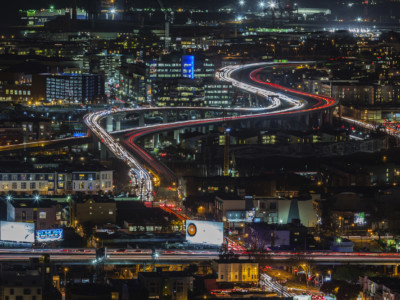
{"x": 9, "y": 8}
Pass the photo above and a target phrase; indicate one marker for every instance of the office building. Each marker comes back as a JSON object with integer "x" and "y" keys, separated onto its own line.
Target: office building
{"x": 74, "y": 88}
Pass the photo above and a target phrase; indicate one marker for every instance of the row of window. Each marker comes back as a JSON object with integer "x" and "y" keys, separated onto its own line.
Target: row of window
{"x": 31, "y": 185}
{"x": 18, "y": 92}
{"x": 27, "y": 176}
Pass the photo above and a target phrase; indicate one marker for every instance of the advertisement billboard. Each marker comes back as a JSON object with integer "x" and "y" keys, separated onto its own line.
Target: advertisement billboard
{"x": 204, "y": 232}
{"x": 359, "y": 218}
{"x": 17, "y": 232}
{"x": 240, "y": 216}
{"x": 49, "y": 235}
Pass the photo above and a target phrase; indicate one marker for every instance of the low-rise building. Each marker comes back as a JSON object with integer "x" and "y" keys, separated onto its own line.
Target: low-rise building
{"x": 44, "y": 213}
{"x": 262, "y": 236}
{"x": 237, "y": 272}
{"x": 93, "y": 210}
{"x": 21, "y": 285}
{"x": 380, "y": 288}
{"x": 56, "y": 183}
{"x": 167, "y": 285}
{"x": 338, "y": 244}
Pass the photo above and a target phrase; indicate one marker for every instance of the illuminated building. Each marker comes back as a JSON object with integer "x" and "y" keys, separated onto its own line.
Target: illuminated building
{"x": 56, "y": 183}
{"x": 218, "y": 93}
{"x": 17, "y": 87}
{"x": 74, "y": 88}
{"x": 237, "y": 272}
{"x": 179, "y": 92}
{"x": 188, "y": 66}
{"x": 34, "y": 17}
{"x": 96, "y": 210}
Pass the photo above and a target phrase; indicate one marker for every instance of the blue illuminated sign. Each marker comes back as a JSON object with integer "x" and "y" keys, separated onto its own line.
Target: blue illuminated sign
{"x": 49, "y": 235}
{"x": 188, "y": 66}
{"x": 79, "y": 134}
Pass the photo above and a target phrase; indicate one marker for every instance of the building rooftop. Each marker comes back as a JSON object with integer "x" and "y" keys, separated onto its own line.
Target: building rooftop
{"x": 32, "y": 203}
{"x": 391, "y": 283}
{"x": 167, "y": 274}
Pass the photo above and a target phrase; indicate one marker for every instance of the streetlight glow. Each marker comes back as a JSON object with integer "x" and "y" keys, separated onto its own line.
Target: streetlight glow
{"x": 241, "y": 2}
{"x": 261, "y": 4}
{"x": 272, "y": 4}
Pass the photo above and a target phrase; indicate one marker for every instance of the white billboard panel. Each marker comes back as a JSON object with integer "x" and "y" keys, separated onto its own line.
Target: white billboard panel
{"x": 204, "y": 232}
{"x": 17, "y": 232}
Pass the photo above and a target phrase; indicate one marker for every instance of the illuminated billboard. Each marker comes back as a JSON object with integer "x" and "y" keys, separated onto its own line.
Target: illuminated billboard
{"x": 188, "y": 66}
{"x": 204, "y": 232}
{"x": 49, "y": 235}
{"x": 240, "y": 216}
{"x": 17, "y": 232}
{"x": 359, "y": 218}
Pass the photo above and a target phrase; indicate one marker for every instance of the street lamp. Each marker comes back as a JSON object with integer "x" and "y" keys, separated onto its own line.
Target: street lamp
{"x": 9, "y": 197}
{"x": 37, "y": 197}
{"x": 65, "y": 276}
{"x": 241, "y": 2}
{"x": 261, "y": 4}
{"x": 272, "y": 4}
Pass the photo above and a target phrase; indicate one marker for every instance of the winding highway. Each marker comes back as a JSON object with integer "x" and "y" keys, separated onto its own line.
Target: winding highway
{"x": 282, "y": 101}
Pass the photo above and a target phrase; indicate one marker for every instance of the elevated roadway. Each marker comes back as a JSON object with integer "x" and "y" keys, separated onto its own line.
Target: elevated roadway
{"x": 87, "y": 256}
{"x": 283, "y": 102}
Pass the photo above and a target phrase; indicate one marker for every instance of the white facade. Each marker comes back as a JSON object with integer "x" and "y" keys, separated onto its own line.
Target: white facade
{"x": 54, "y": 183}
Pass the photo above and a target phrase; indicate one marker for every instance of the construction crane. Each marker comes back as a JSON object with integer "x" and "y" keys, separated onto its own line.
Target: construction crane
{"x": 168, "y": 20}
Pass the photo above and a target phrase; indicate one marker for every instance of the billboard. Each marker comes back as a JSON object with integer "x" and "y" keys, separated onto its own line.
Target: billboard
{"x": 359, "y": 218}
{"x": 49, "y": 235}
{"x": 17, "y": 232}
{"x": 240, "y": 216}
{"x": 204, "y": 232}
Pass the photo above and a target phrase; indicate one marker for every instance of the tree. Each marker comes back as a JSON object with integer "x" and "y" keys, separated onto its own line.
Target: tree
{"x": 87, "y": 229}
{"x": 192, "y": 269}
{"x": 303, "y": 262}
{"x": 343, "y": 290}
{"x": 347, "y": 273}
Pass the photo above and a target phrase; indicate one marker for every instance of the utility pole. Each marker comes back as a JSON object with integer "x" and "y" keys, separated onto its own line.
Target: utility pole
{"x": 226, "y": 145}
{"x": 226, "y": 151}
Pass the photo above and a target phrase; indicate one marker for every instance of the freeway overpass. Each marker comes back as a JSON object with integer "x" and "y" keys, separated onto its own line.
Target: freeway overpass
{"x": 283, "y": 102}
{"x": 87, "y": 257}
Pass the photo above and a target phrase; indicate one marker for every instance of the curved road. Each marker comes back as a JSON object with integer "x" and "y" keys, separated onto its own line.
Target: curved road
{"x": 283, "y": 102}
